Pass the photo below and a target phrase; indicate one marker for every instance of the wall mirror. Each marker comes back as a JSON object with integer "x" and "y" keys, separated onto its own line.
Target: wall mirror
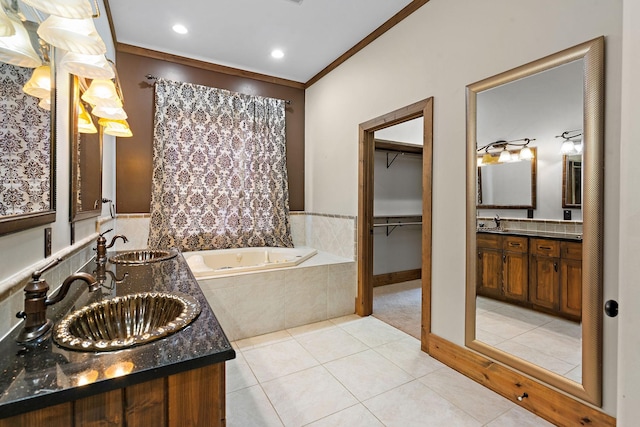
{"x": 493, "y": 325}
{"x": 572, "y": 181}
{"x": 506, "y": 185}
{"x": 86, "y": 157}
{"x": 27, "y": 141}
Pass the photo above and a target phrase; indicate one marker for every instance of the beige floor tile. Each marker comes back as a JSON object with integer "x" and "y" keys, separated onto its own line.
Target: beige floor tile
{"x": 307, "y": 396}
{"x": 416, "y": 405}
{"x": 407, "y": 354}
{"x": 373, "y": 332}
{"x": 239, "y": 374}
{"x": 250, "y": 407}
{"x": 536, "y": 357}
{"x": 355, "y": 416}
{"x": 367, "y": 374}
{"x": 476, "y": 400}
{"x": 519, "y": 417}
{"x": 311, "y": 328}
{"x": 331, "y": 344}
{"x": 262, "y": 340}
{"x": 279, "y": 359}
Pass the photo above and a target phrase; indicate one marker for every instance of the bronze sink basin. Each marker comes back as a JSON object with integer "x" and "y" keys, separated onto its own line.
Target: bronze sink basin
{"x": 143, "y": 256}
{"x": 126, "y": 321}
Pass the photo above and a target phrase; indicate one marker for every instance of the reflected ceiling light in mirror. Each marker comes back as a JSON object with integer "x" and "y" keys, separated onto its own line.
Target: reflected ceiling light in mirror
{"x": 520, "y": 151}
{"x": 17, "y": 49}
{"x": 74, "y": 35}
{"x": 72, "y": 9}
{"x": 180, "y": 29}
{"x": 526, "y": 153}
{"x": 505, "y": 156}
{"x": 87, "y": 66}
{"x": 277, "y": 54}
{"x": 118, "y": 128}
{"x": 569, "y": 146}
{"x": 102, "y": 92}
{"x": 39, "y": 85}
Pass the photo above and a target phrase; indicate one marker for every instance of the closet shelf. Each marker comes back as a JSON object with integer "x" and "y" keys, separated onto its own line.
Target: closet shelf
{"x": 396, "y": 221}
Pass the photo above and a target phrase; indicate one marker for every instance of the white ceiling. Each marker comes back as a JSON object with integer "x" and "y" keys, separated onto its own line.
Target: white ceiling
{"x": 242, "y": 33}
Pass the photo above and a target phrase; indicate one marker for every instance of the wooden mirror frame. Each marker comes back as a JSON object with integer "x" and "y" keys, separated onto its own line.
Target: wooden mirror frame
{"x": 76, "y": 139}
{"x": 592, "y": 53}
{"x": 565, "y": 184}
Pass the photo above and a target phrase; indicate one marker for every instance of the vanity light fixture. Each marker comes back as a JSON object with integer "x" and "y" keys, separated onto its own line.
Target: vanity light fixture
{"x": 72, "y": 9}
{"x": 45, "y": 103}
{"x": 74, "y": 35}
{"x": 520, "y": 151}
{"x": 85, "y": 122}
{"x": 39, "y": 85}
{"x": 569, "y": 145}
{"x": 118, "y": 128}
{"x": 17, "y": 49}
{"x": 102, "y": 92}
{"x": 87, "y": 66}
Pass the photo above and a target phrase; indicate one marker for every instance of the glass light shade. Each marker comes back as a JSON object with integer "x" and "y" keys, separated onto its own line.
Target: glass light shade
{"x": 102, "y": 92}
{"x": 74, "y": 35}
{"x": 17, "y": 49}
{"x": 567, "y": 147}
{"x": 526, "y": 154}
{"x": 579, "y": 147}
{"x": 45, "y": 103}
{"x": 488, "y": 159}
{"x": 505, "y": 156}
{"x": 74, "y": 9}
{"x": 39, "y": 85}
{"x": 85, "y": 123}
{"x": 480, "y": 161}
{"x": 87, "y": 66}
{"x": 6, "y": 26}
{"x": 116, "y": 127}
{"x": 114, "y": 113}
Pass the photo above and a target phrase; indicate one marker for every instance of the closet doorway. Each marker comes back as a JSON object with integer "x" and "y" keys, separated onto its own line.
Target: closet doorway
{"x": 370, "y": 222}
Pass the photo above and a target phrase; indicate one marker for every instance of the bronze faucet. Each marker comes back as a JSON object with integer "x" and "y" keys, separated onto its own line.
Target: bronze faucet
{"x": 101, "y": 248}
{"x": 37, "y": 327}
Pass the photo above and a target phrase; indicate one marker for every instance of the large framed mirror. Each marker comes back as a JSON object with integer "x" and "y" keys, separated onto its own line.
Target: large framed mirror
{"x": 533, "y": 298}
{"x": 506, "y": 185}
{"x": 27, "y": 139}
{"x": 86, "y": 157}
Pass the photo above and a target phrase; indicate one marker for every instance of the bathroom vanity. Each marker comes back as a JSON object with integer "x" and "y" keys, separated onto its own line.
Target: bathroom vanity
{"x": 538, "y": 271}
{"x": 178, "y": 380}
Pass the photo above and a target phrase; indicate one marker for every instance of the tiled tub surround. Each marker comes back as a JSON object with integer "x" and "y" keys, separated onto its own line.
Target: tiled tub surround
{"x": 48, "y": 374}
{"x": 335, "y": 234}
{"x": 532, "y": 226}
{"x": 251, "y": 304}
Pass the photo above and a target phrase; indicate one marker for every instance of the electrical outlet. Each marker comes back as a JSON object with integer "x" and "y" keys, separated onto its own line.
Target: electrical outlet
{"x": 567, "y": 215}
{"x": 47, "y": 242}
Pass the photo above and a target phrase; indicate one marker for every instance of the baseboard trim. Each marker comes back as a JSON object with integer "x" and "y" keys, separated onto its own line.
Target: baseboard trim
{"x": 396, "y": 277}
{"x": 544, "y": 401}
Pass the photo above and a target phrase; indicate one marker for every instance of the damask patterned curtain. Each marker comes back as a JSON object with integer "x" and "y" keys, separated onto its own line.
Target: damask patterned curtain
{"x": 219, "y": 170}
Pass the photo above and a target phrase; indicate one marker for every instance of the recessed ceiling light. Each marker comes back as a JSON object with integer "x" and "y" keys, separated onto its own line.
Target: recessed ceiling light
{"x": 277, "y": 53}
{"x": 180, "y": 29}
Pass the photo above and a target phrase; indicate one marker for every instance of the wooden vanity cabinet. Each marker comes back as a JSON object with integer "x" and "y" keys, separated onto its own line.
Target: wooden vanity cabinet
{"x": 503, "y": 267}
{"x": 545, "y": 273}
{"x": 571, "y": 279}
{"x": 489, "y": 271}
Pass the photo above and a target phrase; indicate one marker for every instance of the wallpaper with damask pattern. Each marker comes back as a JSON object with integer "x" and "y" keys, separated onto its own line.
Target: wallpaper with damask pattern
{"x": 25, "y": 138}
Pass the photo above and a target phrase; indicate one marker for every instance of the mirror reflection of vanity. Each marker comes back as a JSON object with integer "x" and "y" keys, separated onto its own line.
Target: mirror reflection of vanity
{"x": 534, "y": 283}
{"x": 27, "y": 135}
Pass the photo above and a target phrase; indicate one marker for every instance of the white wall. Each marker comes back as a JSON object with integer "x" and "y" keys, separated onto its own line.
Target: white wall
{"x": 437, "y": 51}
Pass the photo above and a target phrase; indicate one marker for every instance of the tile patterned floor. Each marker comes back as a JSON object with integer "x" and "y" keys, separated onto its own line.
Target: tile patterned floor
{"x": 354, "y": 371}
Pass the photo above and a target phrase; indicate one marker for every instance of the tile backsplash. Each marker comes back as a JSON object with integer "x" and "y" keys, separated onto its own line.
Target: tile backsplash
{"x": 534, "y": 225}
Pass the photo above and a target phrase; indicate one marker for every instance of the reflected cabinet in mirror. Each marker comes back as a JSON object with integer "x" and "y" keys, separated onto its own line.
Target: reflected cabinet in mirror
{"x": 86, "y": 157}
{"x": 534, "y": 287}
{"x": 27, "y": 145}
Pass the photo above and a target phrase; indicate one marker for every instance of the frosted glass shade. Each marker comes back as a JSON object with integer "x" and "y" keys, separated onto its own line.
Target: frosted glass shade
{"x": 102, "y": 92}
{"x": 87, "y": 66}
{"x": 17, "y": 49}
{"x": 526, "y": 154}
{"x": 74, "y": 9}
{"x": 74, "y": 35}
{"x": 115, "y": 113}
{"x": 505, "y": 156}
{"x": 45, "y": 104}
{"x": 118, "y": 128}
{"x": 39, "y": 85}
{"x": 85, "y": 123}
{"x": 6, "y": 26}
{"x": 567, "y": 147}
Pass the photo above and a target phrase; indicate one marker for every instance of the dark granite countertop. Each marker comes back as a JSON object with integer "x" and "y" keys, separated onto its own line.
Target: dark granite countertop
{"x": 538, "y": 234}
{"x": 34, "y": 378}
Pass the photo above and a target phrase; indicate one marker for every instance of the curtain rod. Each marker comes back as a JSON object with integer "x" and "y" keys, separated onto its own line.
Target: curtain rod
{"x": 152, "y": 77}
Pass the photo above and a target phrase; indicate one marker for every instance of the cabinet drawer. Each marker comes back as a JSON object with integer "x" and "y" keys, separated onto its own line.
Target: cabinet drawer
{"x": 571, "y": 250}
{"x": 486, "y": 240}
{"x": 515, "y": 244}
{"x": 550, "y": 248}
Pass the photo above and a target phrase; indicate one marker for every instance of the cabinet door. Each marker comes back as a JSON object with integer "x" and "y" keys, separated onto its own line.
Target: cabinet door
{"x": 515, "y": 274}
{"x": 544, "y": 281}
{"x": 489, "y": 270}
{"x": 571, "y": 287}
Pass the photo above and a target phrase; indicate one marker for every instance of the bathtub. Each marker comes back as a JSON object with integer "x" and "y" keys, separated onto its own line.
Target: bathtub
{"x": 226, "y": 262}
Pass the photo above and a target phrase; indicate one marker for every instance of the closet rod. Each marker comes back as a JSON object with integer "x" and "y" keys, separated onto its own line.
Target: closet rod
{"x": 152, "y": 77}
{"x": 393, "y": 225}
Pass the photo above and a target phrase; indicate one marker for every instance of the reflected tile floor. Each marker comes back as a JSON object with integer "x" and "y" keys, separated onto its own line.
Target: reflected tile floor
{"x": 547, "y": 341}
{"x": 355, "y": 371}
